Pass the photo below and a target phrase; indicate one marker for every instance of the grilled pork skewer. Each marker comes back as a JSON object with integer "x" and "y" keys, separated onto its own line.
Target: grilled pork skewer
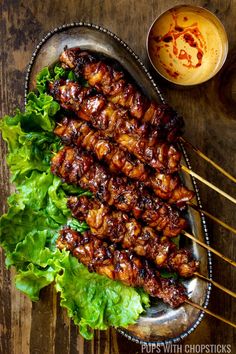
{"x": 103, "y": 115}
{"x": 79, "y": 168}
{"x": 161, "y": 156}
{"x": 74, "y": 132}
{"x": 118, "y": 227}
{"x": 117, "y": 89}
{"x": 70, "y": 164}
{"x": 168, "y": 187}
{"x": 113, "y": 84}
{"x": 127, "y": 268}
{"x": 120, "y": 265}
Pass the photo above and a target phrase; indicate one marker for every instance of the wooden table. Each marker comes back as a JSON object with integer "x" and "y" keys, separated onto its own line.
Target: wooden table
{"x": 210, "y": 116}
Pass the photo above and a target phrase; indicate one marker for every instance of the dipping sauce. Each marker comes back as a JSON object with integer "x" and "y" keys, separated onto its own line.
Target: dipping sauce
{"x": 187, "y": 45}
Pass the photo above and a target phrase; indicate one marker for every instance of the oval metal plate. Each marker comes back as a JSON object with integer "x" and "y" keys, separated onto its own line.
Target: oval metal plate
{"x": 160, "y": 323}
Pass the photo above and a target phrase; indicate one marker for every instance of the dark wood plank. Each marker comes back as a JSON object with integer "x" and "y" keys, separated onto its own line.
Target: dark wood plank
{"x": 210, "y": 115}
{"x": 42, "y": 337}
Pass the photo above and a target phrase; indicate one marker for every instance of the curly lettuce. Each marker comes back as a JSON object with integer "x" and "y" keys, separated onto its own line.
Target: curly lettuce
{"x": 36, "y": 213}
{"x": 48, "y": 75}
{"x": 94, "y": 301}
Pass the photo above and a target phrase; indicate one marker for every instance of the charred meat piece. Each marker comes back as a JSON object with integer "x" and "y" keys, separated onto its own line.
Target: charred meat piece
{"x": 80, "y": 134}
{"x": 118, "y": 227}
{"x": 162, "y": 156}
{"x": 79, "y": 168}
{"x": 123, "y": 265}
{"x": 113, "y": 83}
{"x": 72, "y": 92}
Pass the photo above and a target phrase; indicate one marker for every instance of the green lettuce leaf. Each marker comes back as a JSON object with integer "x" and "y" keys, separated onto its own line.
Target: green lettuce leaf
{"x": 32, "y": 249}
{"x": 47, "y": 75}
{"x": 33, "y": 279}
{"x": 94, "y": 301}
{"x": 30, "y": 137}
{"x": 39, "y": 204}
{"x": 41, "y": 112}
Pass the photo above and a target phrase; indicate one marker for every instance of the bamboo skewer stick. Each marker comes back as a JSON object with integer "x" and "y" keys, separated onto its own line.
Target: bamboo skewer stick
{"x": 189, "y": 302}
{"x": 210, "y": 216}
{"x": 214, "y": 164}
{"x": 217, "y": 285}
{"x": 209, "y": 248}
{"x": 209, "y": 184}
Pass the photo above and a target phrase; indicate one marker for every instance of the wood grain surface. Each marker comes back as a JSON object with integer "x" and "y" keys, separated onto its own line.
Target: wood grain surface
{"x": 210, "y": 114}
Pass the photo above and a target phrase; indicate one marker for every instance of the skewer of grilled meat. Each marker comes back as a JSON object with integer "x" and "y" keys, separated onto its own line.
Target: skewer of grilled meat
{"x": 74, "y": 132}
{"x": 77, "y": 167}
{"x": 103, "y": 115}
{"x": 78, "y": 133}
{"x": 120, "y": 265}
{"x": 112, "y": 83}
{"x": 118, "y": 227}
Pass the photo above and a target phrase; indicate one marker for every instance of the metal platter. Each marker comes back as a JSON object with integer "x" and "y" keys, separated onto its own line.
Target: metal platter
{"x": 160, "y": 324}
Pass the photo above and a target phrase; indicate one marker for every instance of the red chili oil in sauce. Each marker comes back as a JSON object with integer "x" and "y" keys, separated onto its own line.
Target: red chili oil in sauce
{"x": 189, "y": 34}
